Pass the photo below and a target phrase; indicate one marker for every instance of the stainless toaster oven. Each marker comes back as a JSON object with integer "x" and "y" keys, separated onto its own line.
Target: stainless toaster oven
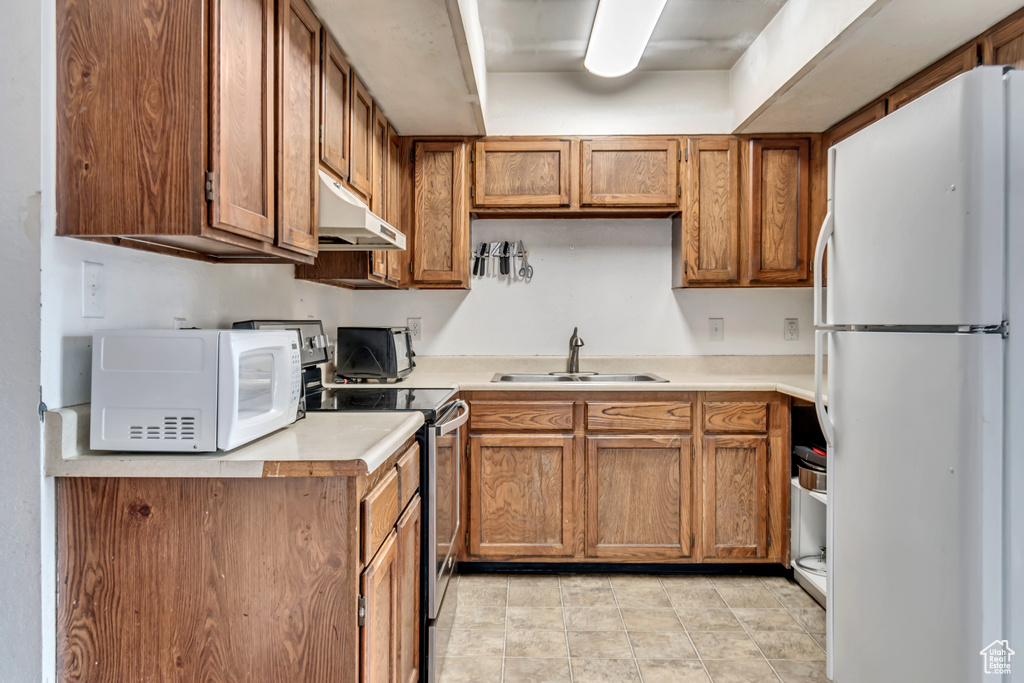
{"x": 374, "y": 353}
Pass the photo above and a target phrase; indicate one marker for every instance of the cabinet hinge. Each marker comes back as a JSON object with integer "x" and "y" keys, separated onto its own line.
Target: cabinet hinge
{"x": 693, "y": 539}
{"x": 412, "y": 155}
{"x": 680, "y": 189}
{"x": 686, "y": 155}
{"x": 472, "y": 155}
{"x": 321, "y": 135}
{"x": 693, "y": 449}
{"x": 466, "y": 538}
{"x": 769, "y": 453}
{"x": 471, "y": 192}
{"x": 209, "y": 186}
{"x": 680, "y": 154}
{"x": 410, "y": 267}
{"x": 362, "y": 610}
{"x": 769, "y": 539}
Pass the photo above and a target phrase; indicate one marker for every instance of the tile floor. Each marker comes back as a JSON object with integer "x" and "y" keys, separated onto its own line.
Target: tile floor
{"x": 626, "y": 627}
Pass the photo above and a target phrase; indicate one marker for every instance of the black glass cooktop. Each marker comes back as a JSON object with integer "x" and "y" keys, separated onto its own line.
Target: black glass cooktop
{"x": 375, "y": 399}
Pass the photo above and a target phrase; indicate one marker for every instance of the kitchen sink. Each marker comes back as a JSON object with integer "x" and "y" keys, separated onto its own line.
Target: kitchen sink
{"x": 581, "y": 377}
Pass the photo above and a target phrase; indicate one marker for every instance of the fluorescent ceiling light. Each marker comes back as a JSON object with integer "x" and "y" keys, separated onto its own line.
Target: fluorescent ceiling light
{"x": 620, "y": 34}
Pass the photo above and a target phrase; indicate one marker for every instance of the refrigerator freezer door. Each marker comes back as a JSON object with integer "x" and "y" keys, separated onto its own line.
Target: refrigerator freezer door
{"x": 918, "y": 204}
{"x": 915, "y": 505}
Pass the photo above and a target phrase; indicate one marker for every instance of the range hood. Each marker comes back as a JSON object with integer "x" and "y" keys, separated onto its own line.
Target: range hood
{"x": 347, "y": 225}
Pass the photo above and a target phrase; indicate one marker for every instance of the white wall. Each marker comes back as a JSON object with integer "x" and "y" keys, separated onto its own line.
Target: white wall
{"x": 612, "y": 278}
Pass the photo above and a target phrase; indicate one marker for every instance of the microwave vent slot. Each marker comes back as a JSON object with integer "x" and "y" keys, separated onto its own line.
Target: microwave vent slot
{"x": 172, "y": 429}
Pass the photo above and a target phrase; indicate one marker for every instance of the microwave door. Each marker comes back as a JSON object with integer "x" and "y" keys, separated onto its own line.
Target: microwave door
{"x": 444, "y": 480}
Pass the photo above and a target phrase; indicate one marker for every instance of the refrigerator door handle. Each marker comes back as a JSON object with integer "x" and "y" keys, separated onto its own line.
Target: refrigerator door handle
{"x": 819, "y": 403}
{"x": 827, "y": 228}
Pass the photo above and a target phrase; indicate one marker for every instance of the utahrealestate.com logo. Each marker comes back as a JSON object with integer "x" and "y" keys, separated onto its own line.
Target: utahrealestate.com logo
{"x": 997, "y": 657}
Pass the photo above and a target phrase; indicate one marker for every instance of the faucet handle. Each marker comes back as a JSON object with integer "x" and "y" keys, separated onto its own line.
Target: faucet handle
{"x": 575, "y": 340}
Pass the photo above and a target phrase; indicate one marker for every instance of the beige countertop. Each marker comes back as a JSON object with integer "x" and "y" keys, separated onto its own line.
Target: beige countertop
{"x": 323, "y": 444}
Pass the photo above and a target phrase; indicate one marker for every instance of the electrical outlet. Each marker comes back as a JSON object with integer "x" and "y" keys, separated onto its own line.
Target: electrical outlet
{"x": 716, "y": 329}
{"x": 179, "y": 323}
{"x": 791, "y": 330}
{"x": 92, "y": 289}
{"x": 415, "y": 326}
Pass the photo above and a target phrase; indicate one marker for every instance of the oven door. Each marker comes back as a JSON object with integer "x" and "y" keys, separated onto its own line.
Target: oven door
{"x": 444, "y": 481}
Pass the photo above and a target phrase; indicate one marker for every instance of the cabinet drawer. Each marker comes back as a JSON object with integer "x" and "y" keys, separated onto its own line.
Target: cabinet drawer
{"x": 667, "y": 416}
{"x": 408, "y": 474}
{"x": 736, "y": 416}
{"x": 521, "y": 415}
{"x": 380, "y": 513}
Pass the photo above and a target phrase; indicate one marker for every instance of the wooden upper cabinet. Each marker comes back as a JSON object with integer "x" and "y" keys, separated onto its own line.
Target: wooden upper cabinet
{"x": 521, "y": 173}
{"x": 639, "y": 497}
{"x": 361, "y": 121}
{"x": 735, "y": 496}
{"x": 629, "y": 172}
{"x": 381, "y": 631}
{"x": 780, "y": 203}
{"x": 1005, "y": 44}
{"x": 934, "y": 76}
{"x": 440, "y": 225}
{"x": 379, "y": 179}
{"x": 334, "y": 108}
{"x": 393, "y": 204}
{"x": 298, "y": 60}
{"x": 242, "y": 118}
{"x": 710, "y": 220}
{"x": 852, "y": 124}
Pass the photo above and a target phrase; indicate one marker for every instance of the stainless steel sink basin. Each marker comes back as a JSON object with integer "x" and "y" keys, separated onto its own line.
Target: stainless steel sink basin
{"x": 582, "y": 377}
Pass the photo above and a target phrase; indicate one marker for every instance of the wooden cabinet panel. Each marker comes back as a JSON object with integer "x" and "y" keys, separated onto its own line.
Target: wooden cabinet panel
{"x": 521, "y": 493}
{"x": 779, "y": 209}
{"x": 360, "y": 140}
{"x": 735, "y": 416}
{"x": 735, "y": 496}
{"x": 393, "y": 209}
{"x": 298, "y": 113}
{"x": 651, "y": 416}
{"x": 639, "y": 497}
{"x": 935, "y": 75}
{"x": 409, "y": 593}
{"x": 440, "y": 215}
{"x": 521, "y": 415}
{"x": 711, "y": 214}
{"x": 334, "y": 108}
{"x": 408, "y": 475}
{"x": 629, "y": 172}
{"x": 242, "y": 74}
{"x": 517, "y": 173}
{"x": 1005, "y": 45}
{"x": 378, "y": 198}
{"x": 380, "y": 512}
{"x": 850, "y": 125}
{"x": 381, "y": 632}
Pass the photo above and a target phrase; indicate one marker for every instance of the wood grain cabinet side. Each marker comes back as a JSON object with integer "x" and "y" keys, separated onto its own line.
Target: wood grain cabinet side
{"x": 629, "y": 172}
{"x": 521, "y": 173}
{"x": 780, "y": 203}
{"x": 440, "y": 222}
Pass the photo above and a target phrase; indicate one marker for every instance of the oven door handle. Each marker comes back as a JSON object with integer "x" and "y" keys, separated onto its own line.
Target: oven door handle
{"x": 449, "y": 426}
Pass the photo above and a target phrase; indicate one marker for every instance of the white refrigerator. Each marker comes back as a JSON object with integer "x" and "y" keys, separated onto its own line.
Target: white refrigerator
{"x": 925, "y": 418}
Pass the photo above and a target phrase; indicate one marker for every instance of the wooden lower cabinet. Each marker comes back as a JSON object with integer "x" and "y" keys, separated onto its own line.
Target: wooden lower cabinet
{"x": 522, "y": 501}
{"x": 735, "y": 496}
{"x": 409, "y": 593}
{"x": 380, "y": 634}
{"x": 639, "y": 497}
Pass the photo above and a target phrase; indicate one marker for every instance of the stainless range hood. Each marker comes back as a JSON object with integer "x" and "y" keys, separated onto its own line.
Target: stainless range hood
{"x": 346, "y": 224}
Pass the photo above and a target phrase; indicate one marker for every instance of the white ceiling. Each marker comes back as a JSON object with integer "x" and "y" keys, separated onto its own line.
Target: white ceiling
{"x": 552, "y": 35}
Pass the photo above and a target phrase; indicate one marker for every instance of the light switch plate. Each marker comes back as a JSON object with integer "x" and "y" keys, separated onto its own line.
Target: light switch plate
{"x": 716, "y": 329}
{"x": 791, "y": 329}
{"x": 92, "y": 289}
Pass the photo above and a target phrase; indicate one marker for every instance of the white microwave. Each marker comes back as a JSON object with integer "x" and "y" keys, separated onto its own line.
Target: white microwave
{"x": 192, "y": 390}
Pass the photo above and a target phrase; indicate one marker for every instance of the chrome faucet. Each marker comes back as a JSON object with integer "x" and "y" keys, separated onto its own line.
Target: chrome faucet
{"x": 574, "y": 351}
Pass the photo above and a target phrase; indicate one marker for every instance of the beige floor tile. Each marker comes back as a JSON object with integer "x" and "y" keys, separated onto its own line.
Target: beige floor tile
{"x": 584, "y": 580}
{"x": 781, "y": 582}
{"x": 819, "y": 638}
{"x": 724, "y": 645}
{"x": 587, "y": 596}
{"x": 740, "y": 671}
{"x": 812, "y": 619}
{"x": 766, "y": 619}
{"x": 661, "y": 645}
{"x": 599, "y": 644}
{"x": 476, "y": 643}
{"x": 796, "y": 671}
{"x": 650, "y": 619}
{"x": 684, "y": 596}
{"x": 532, "y": 596}
{"x": 522, "y": 670}
{"x": 538, "y": 580}
{"x": 492, "y": 596}
{"x": 780, "y": 645}
{"x": 686, "y": 581}
{"x": 483, "y": 579}
{"x": 535, "y": 618}
{"x": 471, "y": 670}
{"x": 672, "y": 671}
{"x": 592, "y": 619}
{"x": 732, "y": 581}
{"x": 709, "y": 620}
{"x": 479, "y": 616}
{"x": 795, "y": 597}
{"x": 634, "y": 580}
{"x": 535, "y": 644}
{"x": 604, "y": 671}
{"x": 640, "y": 595}
{"x": 748, "y": 597}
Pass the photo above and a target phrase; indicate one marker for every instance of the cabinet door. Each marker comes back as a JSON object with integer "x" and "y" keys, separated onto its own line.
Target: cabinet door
{"x": 639, "y": 497}
{"x": 360, "y": 140}
{"x": 934, "y": 76}
{"x": 379, "y": 635}
{"x": 780, "y": 204}
{"x": 850, "y": 125}
{"x": 521, "y": 495}
{"x": 378, "y": 198}
{"x": 334, "y": 108}
{"x": 517, "y": 173}
{"x": 1005, "y": 45}
{"x": 735, "y": 496}
{"x": 629, "y": 172}
{"x": 393, "y": 210}
{"x": 298, "y": 59}
{"x": 440, "y": 215}
{"x": 409, "y": 593}
{"x": 242, "y": 74}
{"x": 712, "y": 220}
